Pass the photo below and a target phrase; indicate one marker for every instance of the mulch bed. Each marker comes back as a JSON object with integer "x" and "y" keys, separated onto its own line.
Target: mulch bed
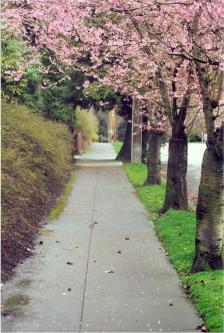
{"x": 19, "y": 233}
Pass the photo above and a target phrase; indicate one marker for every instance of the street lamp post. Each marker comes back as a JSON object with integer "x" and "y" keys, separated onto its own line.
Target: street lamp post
{"x": 136, "y": 137}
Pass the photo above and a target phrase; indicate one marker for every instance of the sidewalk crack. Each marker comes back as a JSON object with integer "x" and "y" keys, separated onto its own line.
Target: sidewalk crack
{"x": 88, "y": 253}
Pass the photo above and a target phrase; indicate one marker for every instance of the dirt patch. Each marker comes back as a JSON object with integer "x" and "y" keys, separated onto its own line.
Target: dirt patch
{"x": 19, "y": 235}
{"x": 18, "y": 238}
{"x": 13, "y": 305}
{"x": 24, "y": 283}
{"x": 46, "y": 232}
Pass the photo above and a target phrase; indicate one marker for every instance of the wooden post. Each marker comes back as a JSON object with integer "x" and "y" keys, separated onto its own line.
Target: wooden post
{"x": 136, "y": 141}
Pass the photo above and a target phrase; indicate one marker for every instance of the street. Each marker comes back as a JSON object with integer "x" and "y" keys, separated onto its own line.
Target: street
{"x": 195, "y": 155}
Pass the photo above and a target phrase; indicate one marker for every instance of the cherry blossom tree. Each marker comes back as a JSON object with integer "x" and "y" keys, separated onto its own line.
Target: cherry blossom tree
{"x": 192, "y": 32}
{"x": 200, "y": 41}
{"x": 169, "y": 76}
{"x": 82, "y": 43}
{"x": 167, "y": 53}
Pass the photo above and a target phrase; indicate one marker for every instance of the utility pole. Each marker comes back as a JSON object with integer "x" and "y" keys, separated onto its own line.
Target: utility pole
{"x": 136, "y": 137}
{"x": 112, "y": 125}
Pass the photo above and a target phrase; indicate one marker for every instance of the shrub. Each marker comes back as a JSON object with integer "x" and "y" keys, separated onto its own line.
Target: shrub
{"x": 86, "y": 122}
{"x": 194, "y": 138}
{"x": 36, "y": 162}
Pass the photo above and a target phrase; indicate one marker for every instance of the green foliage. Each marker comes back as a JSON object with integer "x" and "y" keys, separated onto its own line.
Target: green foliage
{"x": 15, "y": 57}
{"x": 153, "y": 196}
{"x": 29, "y": 86}
{"x": 194, "y": 138}
{"x": 60, "y": 98}
{"x": 57, "y": 99}
{"x": 86, "y": 122}
{"x": 206, "y": 291}
{"x": 53, "y": 105}
{"x": 117, "y": 146}
{"x": 32, "y": 151}
{"x": 47, "y": 93}
{"x": 36, "y": 161}
{"x": 99, "y": 92}
{"x": 101, "y": 96}
{"x": 95, "y": 137}
{"x": 12, "y": 51}
{"x": 136, "y": 172}
{"x": 176, "y": 229}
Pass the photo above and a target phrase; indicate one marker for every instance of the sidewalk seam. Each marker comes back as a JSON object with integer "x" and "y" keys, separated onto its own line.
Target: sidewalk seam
{"x": 87, "y": 263}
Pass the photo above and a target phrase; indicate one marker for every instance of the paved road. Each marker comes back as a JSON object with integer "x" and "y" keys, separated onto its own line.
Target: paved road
{"x": 100, "y": 267}
{"x": 195, "y": 155}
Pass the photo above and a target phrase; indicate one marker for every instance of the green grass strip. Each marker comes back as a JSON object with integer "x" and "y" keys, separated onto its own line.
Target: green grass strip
{"x": 176, "y": 230}
{"x": 117, "y": 146}
{"x": 58, "y": 209}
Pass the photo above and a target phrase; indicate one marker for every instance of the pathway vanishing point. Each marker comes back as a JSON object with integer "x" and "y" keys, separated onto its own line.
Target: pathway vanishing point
{"x": 100, "y": 267}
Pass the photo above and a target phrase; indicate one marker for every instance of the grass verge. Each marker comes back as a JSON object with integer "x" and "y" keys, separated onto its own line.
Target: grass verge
{"x": 62, "y": 201}
{"x": 117, "y": 146}
{"x": 176, "y": 230}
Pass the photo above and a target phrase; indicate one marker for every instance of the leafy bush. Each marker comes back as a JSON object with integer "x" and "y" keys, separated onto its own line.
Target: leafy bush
{"x": 57, "y": 99}
{"x": 36, "y": 162}
{"x": 101, "y": 96}
{"x": 60, "y": 98}
{"x": 194, "y": 138}
{"x": 86, "y": 122}
{"x": 95, "y": 137}
{"x": 18, "y": 58}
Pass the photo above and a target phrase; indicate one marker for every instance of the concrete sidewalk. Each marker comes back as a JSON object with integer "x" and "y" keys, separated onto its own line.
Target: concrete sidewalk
{"x": 98, "y": 152}
{"x": 101, "y": 267}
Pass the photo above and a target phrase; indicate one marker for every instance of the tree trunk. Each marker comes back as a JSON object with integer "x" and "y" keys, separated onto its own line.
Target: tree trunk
{"x": 125, "y": 153}
{"x": 176, "y": 186}
{"x": 210, "y": 206}
{"x": 209, "y": 214}
{"x": 153, "y": 161}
